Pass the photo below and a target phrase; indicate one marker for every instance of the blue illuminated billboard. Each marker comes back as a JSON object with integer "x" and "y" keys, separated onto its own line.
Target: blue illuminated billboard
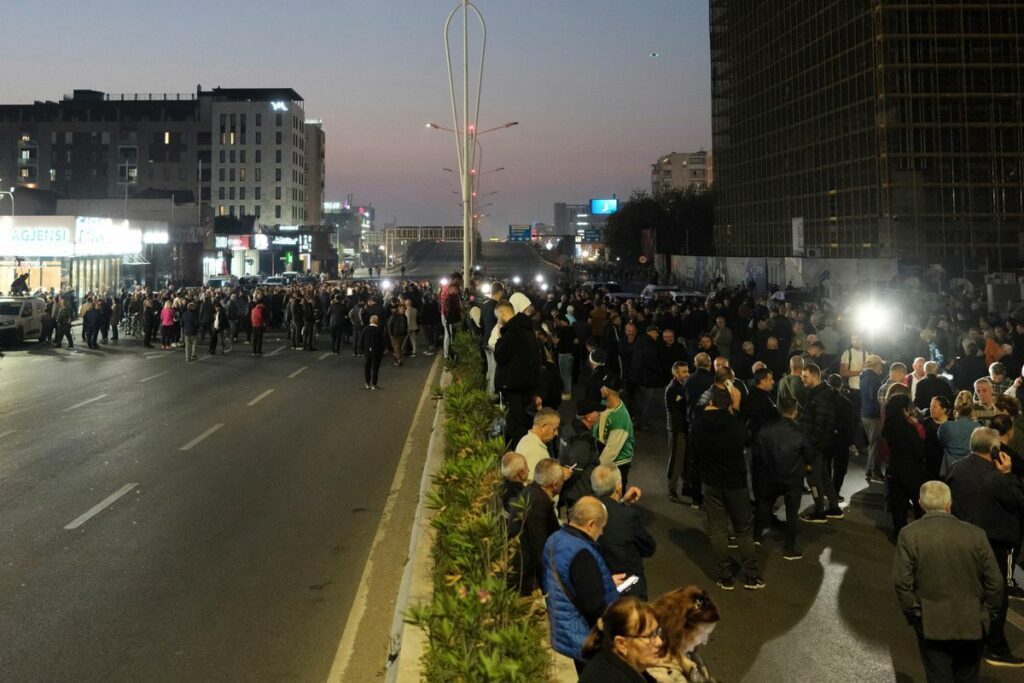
{"x": 603, "y": 207}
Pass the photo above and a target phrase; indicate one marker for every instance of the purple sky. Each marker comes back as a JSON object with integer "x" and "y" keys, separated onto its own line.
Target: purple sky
{"x": 595, "y": 109}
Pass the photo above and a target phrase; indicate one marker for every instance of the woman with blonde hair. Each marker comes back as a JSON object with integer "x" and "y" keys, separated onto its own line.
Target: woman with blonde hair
{"x": 687, "y": 617}
{"x": 955, "y": 435}
{"x": 624, "y": 643}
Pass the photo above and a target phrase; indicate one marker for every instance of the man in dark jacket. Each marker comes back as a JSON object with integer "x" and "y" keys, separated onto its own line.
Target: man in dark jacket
{"x": 987, "y": 495}
{"x": 818, "y": 419}
{"x": 700, "y": 381}
{"x": 373, "y": 341}
{"x": 677, "y": 426}
{"x": 205, "y": 317}
{"x": 720, "y": 438}
{"x": 517, "y": 361}
{"x": 534, "y": 519}
{"x": 948, "y": 585}
{"x": 598, "y": 374}
{"x": 847, "y": 422}
{"x": 625, "y": 541}
{"x": 337, "y": 315}
{"x": 514, "y": 475}
{"x": 783, "y": 455}
{"x": 931, "y": 386}
{"x": 578, "y": 451}
{"x": 645, "y": 376}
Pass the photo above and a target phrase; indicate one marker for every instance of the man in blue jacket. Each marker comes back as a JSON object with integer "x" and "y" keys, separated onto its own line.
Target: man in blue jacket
{"x": 577, "y": 582}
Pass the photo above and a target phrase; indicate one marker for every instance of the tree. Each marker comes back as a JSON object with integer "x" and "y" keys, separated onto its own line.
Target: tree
{"x": 683, "y": 221}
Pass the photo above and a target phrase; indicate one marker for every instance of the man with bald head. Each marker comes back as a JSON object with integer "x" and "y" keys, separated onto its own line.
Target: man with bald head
{"x": 574, "y": 566}
{"x": 930, "y": 386}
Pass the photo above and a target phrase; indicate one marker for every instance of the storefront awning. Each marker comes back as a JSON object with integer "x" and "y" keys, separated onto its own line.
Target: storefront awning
{"x": 133, "y": 260}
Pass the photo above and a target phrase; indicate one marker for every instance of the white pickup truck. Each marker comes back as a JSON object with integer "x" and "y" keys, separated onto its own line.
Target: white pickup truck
{"x": 21, "y": 317}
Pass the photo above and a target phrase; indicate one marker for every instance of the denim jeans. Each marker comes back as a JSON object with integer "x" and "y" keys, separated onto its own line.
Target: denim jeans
{"x": 873, "y": 427}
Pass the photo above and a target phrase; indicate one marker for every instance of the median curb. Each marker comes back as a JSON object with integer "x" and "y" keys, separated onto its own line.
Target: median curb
{"x": 409, "y": 642}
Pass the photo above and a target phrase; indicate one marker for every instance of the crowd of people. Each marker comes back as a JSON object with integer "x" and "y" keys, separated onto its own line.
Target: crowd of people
{"x": 374, "y": 319}
{"x": 763, "y": 402}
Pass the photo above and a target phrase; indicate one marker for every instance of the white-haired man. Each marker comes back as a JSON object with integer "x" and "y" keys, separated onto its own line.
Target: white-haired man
{"x": 625, "y": 541}
{"x": 949, "y": 586}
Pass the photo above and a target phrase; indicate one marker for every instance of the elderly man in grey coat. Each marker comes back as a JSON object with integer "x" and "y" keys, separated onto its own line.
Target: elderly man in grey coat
{"x": 948, "y": 585}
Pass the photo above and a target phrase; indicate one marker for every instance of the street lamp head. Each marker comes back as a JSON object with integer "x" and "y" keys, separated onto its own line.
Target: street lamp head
{"x": 511, "y": 123}
{"x": 433, "y": 125}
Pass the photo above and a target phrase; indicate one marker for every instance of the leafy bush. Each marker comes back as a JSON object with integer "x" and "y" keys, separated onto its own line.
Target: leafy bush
{"x": 479, "y": 629}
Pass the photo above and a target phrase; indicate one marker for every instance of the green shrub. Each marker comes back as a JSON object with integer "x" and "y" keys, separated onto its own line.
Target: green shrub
{"x": 478, "y": 629}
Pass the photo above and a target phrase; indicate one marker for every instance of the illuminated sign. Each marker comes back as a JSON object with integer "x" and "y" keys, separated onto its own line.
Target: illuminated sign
{"x": 261, "y": 242}
{"x": 603, "y": 207}
{"x": 155, "y": 238}
{"x": 285, "y": 241}
{"x": 332, "y": 206}
{"x": 305, "y": 243}
{"x": 220, "y": 242}
{"x": 520, "y": 233}
{"x": 62, "y": 236}
{"x": 279, "y": 106}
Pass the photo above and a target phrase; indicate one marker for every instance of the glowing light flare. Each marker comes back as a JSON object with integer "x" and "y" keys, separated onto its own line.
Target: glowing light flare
{"x": 872, "y": 317}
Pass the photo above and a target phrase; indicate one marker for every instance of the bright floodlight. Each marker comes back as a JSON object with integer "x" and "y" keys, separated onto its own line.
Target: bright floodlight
{"x": 476, "y": 268}
{"x": 386, "y": 285}
{"x": 872, "y": 317}
{"x": 444, "y": 282}
{"x": 544, "y": 287}
{"x": 550, "y": 245}
{"x": 485, "y": 288}
{"x": 516, "y": 279}
{"x": 539, "y": 278}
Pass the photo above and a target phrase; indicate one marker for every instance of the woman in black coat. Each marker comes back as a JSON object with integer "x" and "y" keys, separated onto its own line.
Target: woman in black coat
{"x": 904, "y": 438}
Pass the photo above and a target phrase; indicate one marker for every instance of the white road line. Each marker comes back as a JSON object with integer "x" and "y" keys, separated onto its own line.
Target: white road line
{"x": 86, "y": 402}
{"x": 259, "y": 398}
{"x": 156, "y": 354}
{"x": 159, "y": 374}
{"x": 278, "y": 350}
{"x": 1015, "y": 619}
{"x": 96, "y": 509}
{"x": 298, "y": 372}
{"x": 324, "y": 356}
{"x": 346, "y": 647}
{"x": 7, "y": 433}
{"x": 208, "y": 432}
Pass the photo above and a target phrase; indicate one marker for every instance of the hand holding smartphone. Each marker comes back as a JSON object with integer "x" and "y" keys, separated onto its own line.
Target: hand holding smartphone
{"x": 628, "y": 583}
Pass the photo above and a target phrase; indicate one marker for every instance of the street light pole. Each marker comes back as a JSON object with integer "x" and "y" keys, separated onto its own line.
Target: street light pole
{"x": 11, "y": 195}
{"x": 465, "y": 143}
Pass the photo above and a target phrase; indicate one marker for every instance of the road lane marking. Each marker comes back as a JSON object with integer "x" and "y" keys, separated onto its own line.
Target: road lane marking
{"x": 298, "y": 372}
{"x": 278, "y": 350}
{"x": 259, "y": 398}
{"x": 195, "y": 441}
{"x": 324, "y": 356}
{"x": 346, "y": 647}
{"x": 155, "y": 354}
{"x": 159, "y": 374}
{"x": 96, "y": 509}
{"x": 86, "y": 402}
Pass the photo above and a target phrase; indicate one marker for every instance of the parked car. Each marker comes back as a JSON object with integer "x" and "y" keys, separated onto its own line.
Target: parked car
{"x": 651, "y": 292}
{"x": 21, "y": 317}
{"x": 609, "y": 287}
{"x": 249, "y": 281}
{"x": 220, "y": 282}
{"x": 274, "y": 281}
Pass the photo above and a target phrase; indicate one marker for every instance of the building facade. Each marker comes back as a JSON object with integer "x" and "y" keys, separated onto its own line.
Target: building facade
{"x": 315, "y": 171}
{"x": 864, "y": 128}
{"x": 681, "y": 171}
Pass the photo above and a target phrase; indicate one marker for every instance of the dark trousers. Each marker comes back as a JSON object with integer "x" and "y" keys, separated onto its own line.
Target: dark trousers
{"x": 113, "y": 330}
{"x": 204, "y": 329}
{"x": 296, "y": 335}
{"x": 147, "y": 336}
{"x": 950, "y": 661}
{"x": 838, "y": 465}
{"x": 233, "y": 326}
{"x": 64, "y": 331}
{"x": 676, "y": 459}
{"x": 691, "y": 474}
{"x": 767, "y": 495}
{"x": 91, "y": 334}
{"x": 624, "y": 473}
{"x": 105, "y": 331}
{"x": 820, "y": 481}
{"x": 725, "y": 508}
{"x": 257, "y": 340}
{"x": 902, "y": 495}
{"x": 996, "y": 640}
{"x": 371, "y": 368}
{"x": 357, "y": 336}
{"x": 166, "y": 333}
{"x": 336, "y": 339}
{"x": 517, "y": 419}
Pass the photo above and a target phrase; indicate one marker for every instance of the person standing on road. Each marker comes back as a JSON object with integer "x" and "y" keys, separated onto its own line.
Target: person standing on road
{"x": 948, "y": 585}
{"x": 91, "y": 325}
{"x": 372, "y": 343}
{"x": 190, "y": 330}
{"x": 355, "y": 316}
{"x": 784, "y": 456}
{"x": 517, "y": 355}
{"x": 166, "y": 325}
{"x": 62, "y": 323}
{"x": 219, "y": 330}
{"x": 987, "y": 494}
{"x": 819, "y": 421}
{"x": 625, "y": 541}
{"x": 578, "y": 586}
{"x": 258, "y": 320}
{"x": 412, "y": 315}
{"x": 533, "y": 520}
{"x": 677, "y": 426}
{"x": 398, "y": 329}
{"x": 336, "y": 317}
{"x": 578, "y": 452}
{"x": 205, "y": 316}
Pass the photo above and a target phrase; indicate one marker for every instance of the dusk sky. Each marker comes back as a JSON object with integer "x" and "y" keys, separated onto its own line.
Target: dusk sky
{"x": 595, "y": 108}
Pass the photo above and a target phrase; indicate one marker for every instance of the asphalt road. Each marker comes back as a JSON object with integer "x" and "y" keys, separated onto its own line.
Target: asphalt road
{"x": 498, "y": 259}
{"x": 202, "y": 522}
{"x": 831, "y": 616}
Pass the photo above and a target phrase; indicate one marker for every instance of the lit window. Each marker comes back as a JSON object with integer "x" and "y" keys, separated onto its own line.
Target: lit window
{"x": 232, "y": 138}
{"x": 221, "y": 211}
{"x": 167, "y": 137}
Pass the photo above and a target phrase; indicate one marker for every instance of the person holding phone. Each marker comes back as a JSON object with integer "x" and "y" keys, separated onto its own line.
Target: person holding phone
{"x": 987, "y": 495}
